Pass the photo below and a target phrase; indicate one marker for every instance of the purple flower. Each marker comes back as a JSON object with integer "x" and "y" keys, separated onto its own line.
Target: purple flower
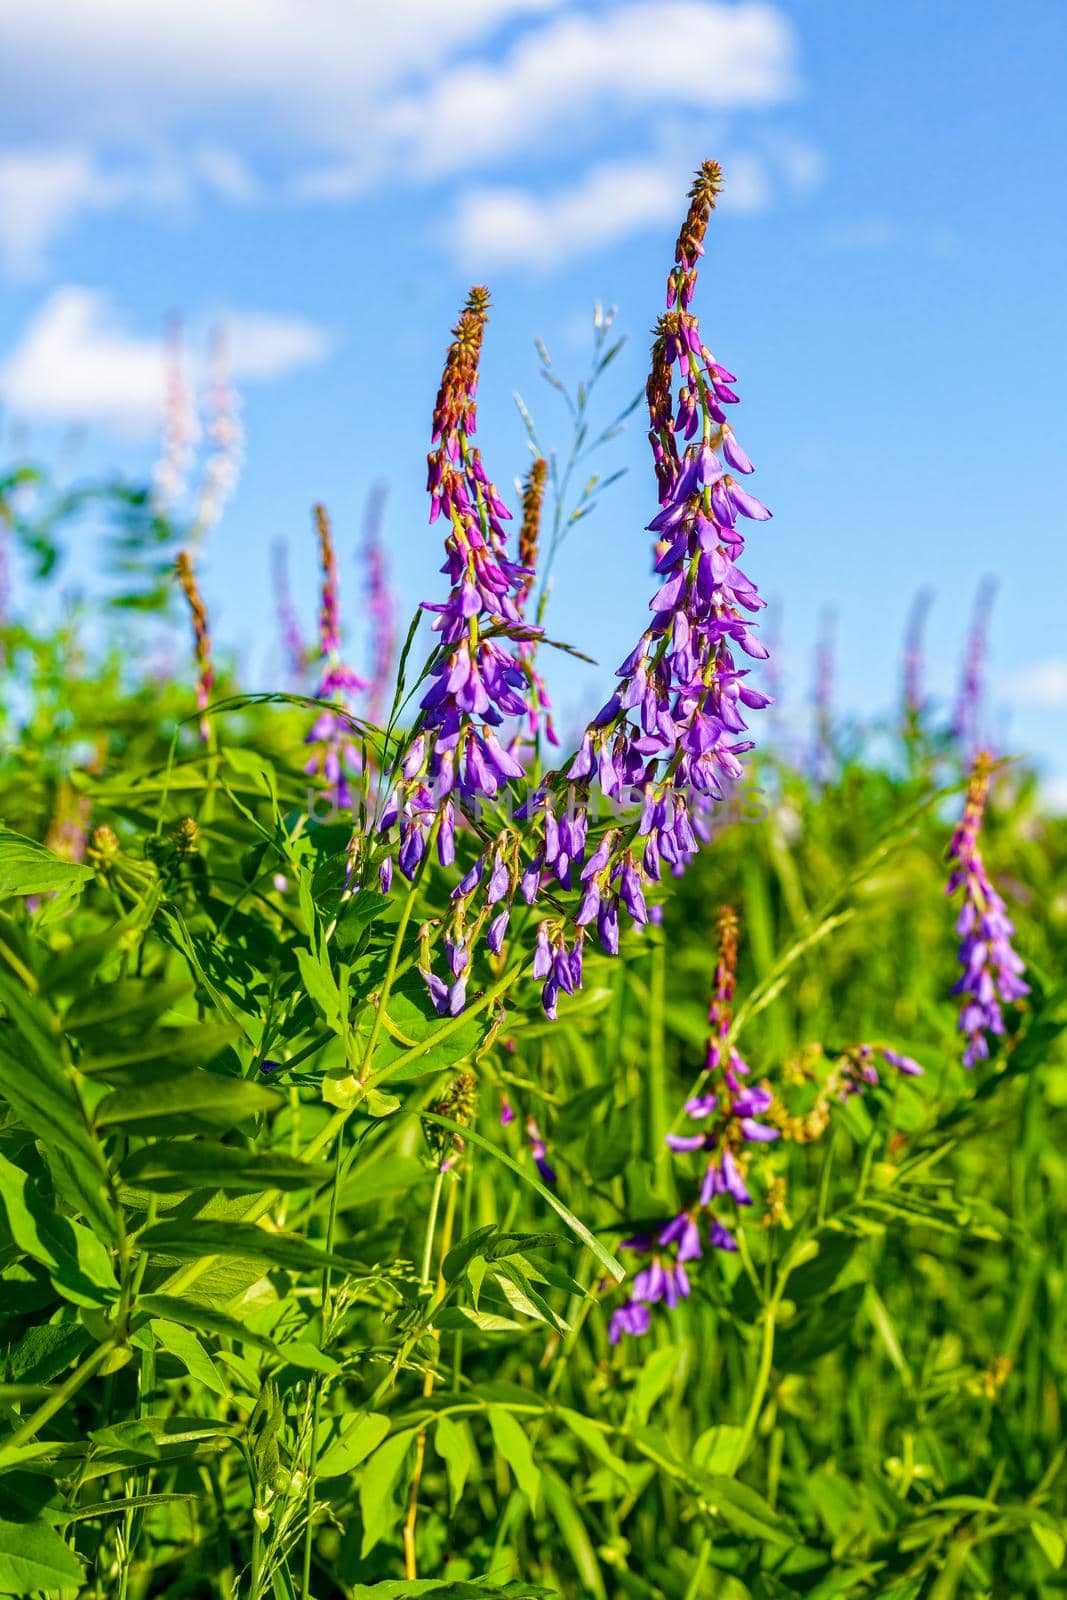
{"x": 632, "y": 1318}
{"x": 905, "y": 1064}
{"x": 992, "y": 973}
{"x": 539, "y": 1151}
{"x": 684, "y": 1232}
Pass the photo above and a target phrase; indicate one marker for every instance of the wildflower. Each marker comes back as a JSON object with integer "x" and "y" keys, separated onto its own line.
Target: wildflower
{"x": 476, "y": 681}
{"x": 914, "y": 693}
{"x": 205, "y": 681}
{"x": 966, "y": 718}
{"x": 336, "y": 759}
{"x": 672, "y": 734}
{"x": 674, "y": 726}
{"x": 226, "y": 436}
{"x": 379, "y": 608}
{"x": 992, "y": 971}
{"x": 180, "y": 429}
{"x": 539, "y": 1151}
{"x": 292, "y": 641}
{"x": 730, "y": 1120}
{"x": 632, "y": 1318}
{"x": 822, "y": 698}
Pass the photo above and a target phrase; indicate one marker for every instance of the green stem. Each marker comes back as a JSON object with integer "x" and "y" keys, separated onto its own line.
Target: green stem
{"x": 316, "y": 1404}
{"x": 431, "y": 1228}
{"x": 763, "y": 1373}
{"x": 57, "y": 1401}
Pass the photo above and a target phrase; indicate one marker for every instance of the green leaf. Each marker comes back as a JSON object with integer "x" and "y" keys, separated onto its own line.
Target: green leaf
{"x": 352, "y": 1439}
{"x": 459, "y": 1317}
{"x": 191, "y": 1100}
{"x": 657, "y": 1375}
{"x": 156, "y": 1056}
{"x": 319, "y": 981}
{"x": 197, "y": 1239}
{"x": 377, "y": 1478}
{"x": 76, "y": 1261}
{"x": 514, "y": 1446}
{"x": 30, "y": 868}
{"x": 44, "y": 1095}
{"x": 183, "y": 1344}
{"x": 203, "y": 1319}
{"x": 453, "y": 1444}
{"x": 33, "y": 1556}
{"x": 1051, "y": 1541}
{"x": 173, "y": 1166}
{"x": 595, "y": 1441}
{"x": 572, "y": 1529}
{"x": 716, "y": 1449}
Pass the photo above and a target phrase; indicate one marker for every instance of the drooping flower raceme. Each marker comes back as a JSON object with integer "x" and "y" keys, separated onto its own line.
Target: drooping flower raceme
{"x": 672, "y": 735}
{"x": 725, "y": 1116}
{"x": 335, "y": 758}
{"x": 455, "y": 757}
{"x": 992, "y": 971}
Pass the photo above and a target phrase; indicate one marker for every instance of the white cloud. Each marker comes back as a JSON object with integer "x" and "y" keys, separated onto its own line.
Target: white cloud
{"x": 121, "y": 70}
{"x": 609, "y": 202}
{"x": 263, "y": 346}
{"x": 1043, "y": 683}
{"x": 335, "y": 99}
{"x": 76, "y": 362}
{"x": 688, "y": 54}
{"x": 44, "y": 192}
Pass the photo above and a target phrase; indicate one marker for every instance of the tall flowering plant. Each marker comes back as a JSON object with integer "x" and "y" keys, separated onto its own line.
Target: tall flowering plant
{"x": 670, "y": 738}
{"x": 992, "y": 973}
{"x": 335, "y": 756}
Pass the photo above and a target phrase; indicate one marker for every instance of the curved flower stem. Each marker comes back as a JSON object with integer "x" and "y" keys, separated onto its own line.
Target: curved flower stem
{"x": 763, "y": 1373}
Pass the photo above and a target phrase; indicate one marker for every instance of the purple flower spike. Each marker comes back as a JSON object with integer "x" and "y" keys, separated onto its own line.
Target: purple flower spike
{"x": 992, "y": 971}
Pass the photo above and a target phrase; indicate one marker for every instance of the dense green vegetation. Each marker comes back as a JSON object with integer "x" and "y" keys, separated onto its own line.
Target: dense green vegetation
{"x": 297, "y": 1302}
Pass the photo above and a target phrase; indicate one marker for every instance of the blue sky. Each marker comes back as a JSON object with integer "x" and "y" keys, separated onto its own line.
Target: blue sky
{"x": 327, "y": 177}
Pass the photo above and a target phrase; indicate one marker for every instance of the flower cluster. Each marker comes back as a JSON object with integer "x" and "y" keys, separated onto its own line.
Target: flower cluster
{"x": 476, "y": 681}
{"x": 729, "y": 1111}
{"x": 992, "y": 971}
{"x": 205, "y": 680}
{"x": 672, "y": 735}
{"x": 335, "y": 759}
